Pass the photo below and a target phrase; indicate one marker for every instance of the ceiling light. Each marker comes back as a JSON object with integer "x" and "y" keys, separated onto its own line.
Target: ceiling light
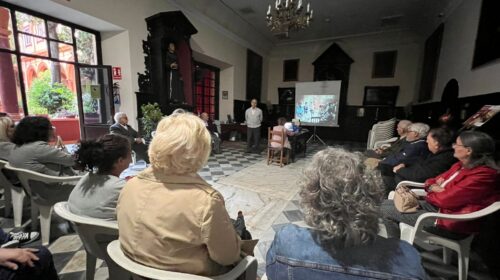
{"x": 288, "y": 15}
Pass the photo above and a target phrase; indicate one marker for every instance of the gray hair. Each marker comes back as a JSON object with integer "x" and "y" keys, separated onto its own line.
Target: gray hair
{"x": 482, "y": 148}
{"x": 340, "y": 198}
{"x": 118, "y": 116}
{"x": 5, "y": 123}
{"x": 404, "y": 124}
{"x": 420, "y": 128}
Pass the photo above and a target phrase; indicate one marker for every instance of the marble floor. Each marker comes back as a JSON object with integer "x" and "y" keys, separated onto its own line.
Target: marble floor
{"x": 266, "y": 194}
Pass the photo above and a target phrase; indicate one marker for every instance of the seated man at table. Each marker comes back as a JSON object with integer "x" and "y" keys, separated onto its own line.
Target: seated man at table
{"x": 212, "y": 128}
{"x": 281, "y": 127}
{"x": 122, "y": 127}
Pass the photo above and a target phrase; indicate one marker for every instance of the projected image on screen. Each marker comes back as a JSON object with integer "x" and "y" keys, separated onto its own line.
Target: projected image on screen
{"x": 316, "y": 103}
{"x": 316, "y": 109}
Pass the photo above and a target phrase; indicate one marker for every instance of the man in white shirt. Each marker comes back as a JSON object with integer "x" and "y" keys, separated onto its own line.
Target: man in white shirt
{"x": 253, "y": 118}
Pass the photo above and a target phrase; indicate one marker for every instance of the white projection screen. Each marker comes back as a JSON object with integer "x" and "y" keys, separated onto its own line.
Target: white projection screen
{"x": 317, "y": 103}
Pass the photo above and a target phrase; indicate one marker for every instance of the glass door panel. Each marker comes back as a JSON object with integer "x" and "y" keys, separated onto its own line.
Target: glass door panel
{"x": 96, "y": 100}
{"x": 51, "y": 92}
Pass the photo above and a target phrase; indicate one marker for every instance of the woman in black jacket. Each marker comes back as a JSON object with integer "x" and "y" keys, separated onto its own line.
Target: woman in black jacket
{"x": 439, "y": 160}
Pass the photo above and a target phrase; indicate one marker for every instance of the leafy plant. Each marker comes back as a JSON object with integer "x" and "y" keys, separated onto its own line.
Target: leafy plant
{"x": 151, "y": 115}
{"x": 46, "y": 97}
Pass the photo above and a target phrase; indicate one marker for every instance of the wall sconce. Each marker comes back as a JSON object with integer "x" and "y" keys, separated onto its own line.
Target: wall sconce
{"x": 360, "y": 112}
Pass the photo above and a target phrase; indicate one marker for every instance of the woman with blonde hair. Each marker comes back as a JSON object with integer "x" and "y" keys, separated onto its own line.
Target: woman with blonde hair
{"x": 169, "y": 217}
{"x": 6, "y": 132}
{"x": 340, "y": 199}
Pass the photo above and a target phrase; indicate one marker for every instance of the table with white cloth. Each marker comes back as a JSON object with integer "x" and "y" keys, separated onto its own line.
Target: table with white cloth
{"x": 133, "y": 169}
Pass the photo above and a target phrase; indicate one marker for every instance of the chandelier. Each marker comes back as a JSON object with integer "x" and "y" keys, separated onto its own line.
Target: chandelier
{"x": 288, "y": 15}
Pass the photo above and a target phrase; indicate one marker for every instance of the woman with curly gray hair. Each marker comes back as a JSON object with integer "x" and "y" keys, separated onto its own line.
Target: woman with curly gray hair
{"x": 340, "y": 201}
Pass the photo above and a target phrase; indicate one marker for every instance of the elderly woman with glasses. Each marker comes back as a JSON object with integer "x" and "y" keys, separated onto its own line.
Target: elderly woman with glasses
{"x": 470, "y": 185}
{"x": 340, "y": 199}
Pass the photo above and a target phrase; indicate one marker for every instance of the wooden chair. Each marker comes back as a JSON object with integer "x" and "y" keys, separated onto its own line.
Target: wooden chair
{"x": 276, "y": 151}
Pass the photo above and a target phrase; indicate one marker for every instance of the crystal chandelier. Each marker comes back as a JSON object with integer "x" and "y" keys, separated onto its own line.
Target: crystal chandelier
{"x": 288, "y": 15}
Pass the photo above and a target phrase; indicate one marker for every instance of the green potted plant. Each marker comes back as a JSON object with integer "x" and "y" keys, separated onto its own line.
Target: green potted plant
{"x": 151, "y": 115}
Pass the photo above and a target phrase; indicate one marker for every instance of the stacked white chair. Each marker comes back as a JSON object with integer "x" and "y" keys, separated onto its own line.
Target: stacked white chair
{"x": 44, "y": 191}
{"x": 247, "y": 266}
{"x": 94, "y": 234}
{"x": 381, "y": 131}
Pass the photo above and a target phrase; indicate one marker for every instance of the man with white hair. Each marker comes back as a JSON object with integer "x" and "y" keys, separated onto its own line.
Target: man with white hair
{"x": 402, "y": 130}
{"x": 122, "y": 127}
{"x": 415, "y": 150}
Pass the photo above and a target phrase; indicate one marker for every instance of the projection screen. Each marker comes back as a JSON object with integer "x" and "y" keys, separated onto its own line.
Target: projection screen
{"x": 317, "y": 103}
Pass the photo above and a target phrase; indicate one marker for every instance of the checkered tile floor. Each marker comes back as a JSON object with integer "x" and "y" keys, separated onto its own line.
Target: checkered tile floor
{"x": 67, "y": 249}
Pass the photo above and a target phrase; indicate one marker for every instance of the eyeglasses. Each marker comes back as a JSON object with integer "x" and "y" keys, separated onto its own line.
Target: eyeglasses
{"x": 455, "y": 144}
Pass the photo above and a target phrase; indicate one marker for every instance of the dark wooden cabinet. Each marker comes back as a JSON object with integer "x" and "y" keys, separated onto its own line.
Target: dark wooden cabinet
{"x": 154, "y": 84}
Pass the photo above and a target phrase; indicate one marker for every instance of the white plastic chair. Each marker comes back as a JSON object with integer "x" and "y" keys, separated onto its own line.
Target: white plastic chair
{"x": 462, "y": 247}
{"x": 45, "y": 191}
{"x": 383, "y": 143}
{"x": 95, "y": 235}
{"x": 247, "y": 266}
{"x": 380, "y": 131}
{"x": 13, "y": 197}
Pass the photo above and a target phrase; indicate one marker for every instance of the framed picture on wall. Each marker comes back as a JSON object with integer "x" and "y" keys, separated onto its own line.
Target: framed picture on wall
{"x": 290, "y": 70}
{"x": 384, "y": 64}
{"x": 225, "y": 94}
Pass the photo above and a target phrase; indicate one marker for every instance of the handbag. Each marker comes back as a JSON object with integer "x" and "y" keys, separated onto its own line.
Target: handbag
{"x": 405, "y": 200}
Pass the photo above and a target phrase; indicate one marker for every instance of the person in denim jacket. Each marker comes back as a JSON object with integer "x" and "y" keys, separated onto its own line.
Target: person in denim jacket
{"x": 340, "y": 202}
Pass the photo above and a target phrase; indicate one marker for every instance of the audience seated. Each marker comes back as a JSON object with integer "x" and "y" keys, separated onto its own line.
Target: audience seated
{"x": 415, "y": 149}
{"x": 26, "y": 263}
{"x": 396, "y": 147}
{"x": 439, "y": 160}
{"x": 340, "y": 200}
{"x": 169, "y": 217}
{"x": 96, "y": 194}
{"x": 214, "y": 133}
{"x": 33, "y": 151}
{"x": 471, "y": 184}
{"x": 6, "y": 132}
{"x": 122, "y": 127}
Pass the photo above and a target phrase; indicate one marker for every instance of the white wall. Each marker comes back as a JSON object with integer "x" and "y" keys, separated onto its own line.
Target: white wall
{"x": 125, "y": 49}
{"x": 457, "y": 52}
{"x": 361, "y": 50}
{"x": 116, "y": 52}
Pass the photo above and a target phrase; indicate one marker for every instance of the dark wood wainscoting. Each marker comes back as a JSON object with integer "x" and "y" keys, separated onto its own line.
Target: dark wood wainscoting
{"x": 354, "y": 128}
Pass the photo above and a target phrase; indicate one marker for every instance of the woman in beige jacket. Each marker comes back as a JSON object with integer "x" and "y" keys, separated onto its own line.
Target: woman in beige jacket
{"x": 169, "y": 217}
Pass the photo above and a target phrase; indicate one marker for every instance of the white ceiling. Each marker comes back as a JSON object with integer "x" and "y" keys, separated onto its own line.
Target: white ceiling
{"x": 48, "y": 7}
{"x": 333, "y": 18}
